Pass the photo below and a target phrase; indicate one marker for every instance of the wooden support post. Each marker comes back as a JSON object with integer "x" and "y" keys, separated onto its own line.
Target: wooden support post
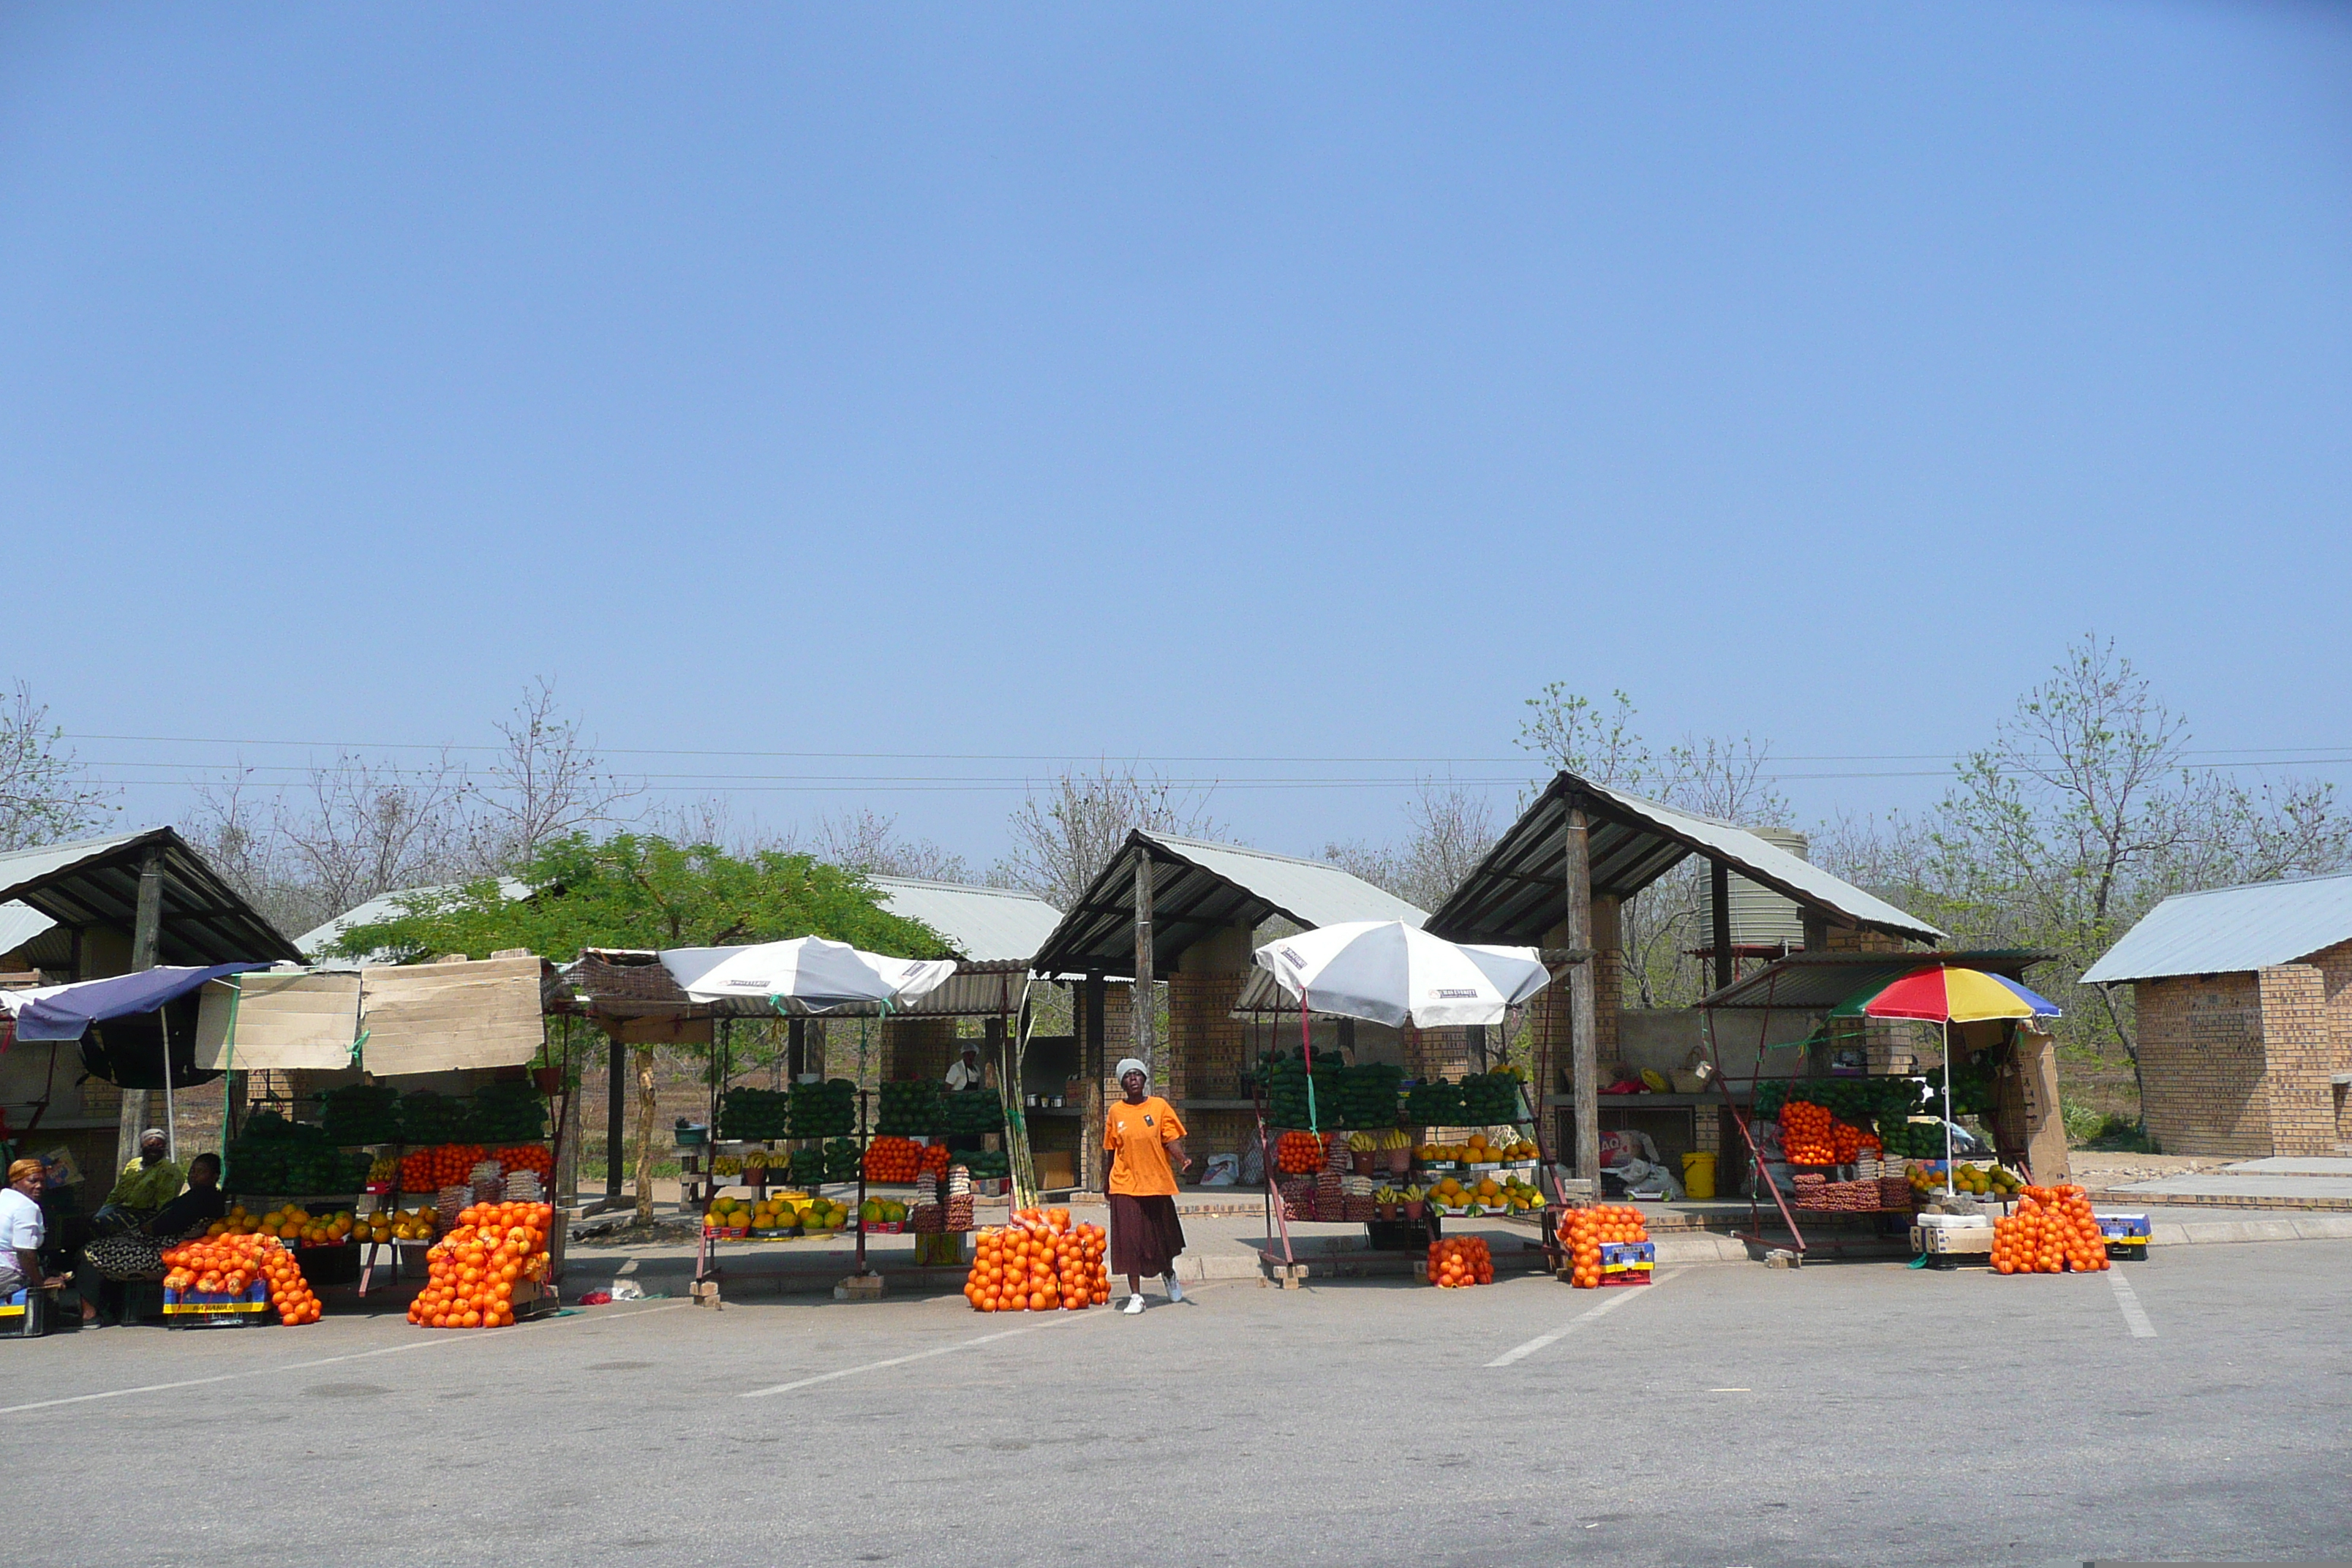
{"x": 1139, "y": 1008}
{"x": 146, "y": 943}
{"x": 648, "y": 1110}
{"x": 616, "y": 1109}
{"x": 1347, "y": 1041}
{"x": 1721, "y": 935}
{"x": 1584, "y": 1063}
{"x": 1092, "y": 1066}
{"x": 795, "y": 1048}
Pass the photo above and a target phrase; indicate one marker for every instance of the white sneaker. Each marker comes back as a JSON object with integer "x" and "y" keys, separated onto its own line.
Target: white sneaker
{"x": 1175, "y": 1291}
{"x": 1134, "y": 1303}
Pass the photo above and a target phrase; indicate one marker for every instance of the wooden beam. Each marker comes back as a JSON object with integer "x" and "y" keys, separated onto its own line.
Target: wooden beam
{"x": 1720, "y": 885}
{"x": 1139, "y": 1008}
{"x": 146, "y": 939}
{"x": 1584, "y": 1064}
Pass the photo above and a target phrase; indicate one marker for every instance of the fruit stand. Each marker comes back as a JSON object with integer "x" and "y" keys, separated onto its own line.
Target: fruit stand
{"x": 401, "y": 1098}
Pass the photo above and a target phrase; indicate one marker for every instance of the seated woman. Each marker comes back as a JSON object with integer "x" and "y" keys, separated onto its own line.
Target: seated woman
{"x": 138, "y": 1254}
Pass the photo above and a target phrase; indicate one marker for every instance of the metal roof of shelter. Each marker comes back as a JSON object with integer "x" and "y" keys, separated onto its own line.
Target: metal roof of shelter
{"x": 95, "y": 882}
{"x": 2223, "y": 930}
{"x": 1199, "y": 887}
{"x": 986, "y": 924}
{"x": 382, "y": 907}
{"x": 1515, "y": 894}
{"x": 1817, "y": 982}
{"x": 20, "y": 923}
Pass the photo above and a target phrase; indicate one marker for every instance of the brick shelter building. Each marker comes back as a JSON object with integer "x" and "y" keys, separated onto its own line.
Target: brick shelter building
{"x": 2243, "y": 998}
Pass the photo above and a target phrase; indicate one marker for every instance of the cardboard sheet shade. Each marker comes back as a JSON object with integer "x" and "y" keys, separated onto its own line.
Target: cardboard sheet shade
{"x": 437, "y": 1017}
{"x": 282, "y": 1021}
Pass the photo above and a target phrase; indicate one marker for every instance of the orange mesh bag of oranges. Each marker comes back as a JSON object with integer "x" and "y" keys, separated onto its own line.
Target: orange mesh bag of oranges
{"x": 1297, "y": 1154}
{"x": 228, "y": 1265}
{"x": 2051, "y": 1231}
{"x": 443, "y": 1165}
{"x": 471, "y": 1273}
{"x": 1041, "y": 1262}
{"x": 1458, "y": 1261}
{"x": 893, "y": 1160}
{"x": 1586, "y": 1230}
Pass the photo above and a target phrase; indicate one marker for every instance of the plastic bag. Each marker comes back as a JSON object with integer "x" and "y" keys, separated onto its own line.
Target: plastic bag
{"x": 1252, "y": 1166}
{"x": 627, "y": 1290}
{"x": 1223, "y": 1171}
{"x": 1624, "y": 1146}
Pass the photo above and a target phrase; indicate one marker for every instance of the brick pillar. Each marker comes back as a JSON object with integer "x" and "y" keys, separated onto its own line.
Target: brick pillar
{"x": 1205, "y": 1045}
{"x": 914, "y": 1048}
{"x": 2298, "y": 1056}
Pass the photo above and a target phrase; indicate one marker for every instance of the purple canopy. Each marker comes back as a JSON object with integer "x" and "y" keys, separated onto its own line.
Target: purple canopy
{"x": 66, "y": 1012}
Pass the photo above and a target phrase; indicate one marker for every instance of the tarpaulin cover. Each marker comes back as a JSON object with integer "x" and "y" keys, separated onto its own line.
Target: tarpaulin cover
{"x": 282, "y": 1021}
{"x": 436, "y": 1017}
{"x": 65, "y": 1012}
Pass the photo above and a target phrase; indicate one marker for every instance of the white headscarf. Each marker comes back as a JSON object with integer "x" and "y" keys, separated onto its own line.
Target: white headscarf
{"x": 1128, "y": 1065}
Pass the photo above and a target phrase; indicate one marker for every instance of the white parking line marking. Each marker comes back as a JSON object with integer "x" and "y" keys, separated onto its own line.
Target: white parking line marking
{"x": 476, "y": 1337}
{"x": 1623, "y": 1294}
{"x": 2128, "y": 1300}
{"x": 924, "y": 1355}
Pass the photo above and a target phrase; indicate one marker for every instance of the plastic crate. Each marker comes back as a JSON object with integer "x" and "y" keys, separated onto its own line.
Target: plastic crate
{"x": 25, "y": 1315}
{"x": 2126, "y": 1234}
{"x": 217, "y": 1310}
{"x": 1627, "y": 1258}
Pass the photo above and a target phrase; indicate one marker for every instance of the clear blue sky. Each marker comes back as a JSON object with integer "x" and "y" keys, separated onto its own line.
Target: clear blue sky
{"x": 1180, "y": 382}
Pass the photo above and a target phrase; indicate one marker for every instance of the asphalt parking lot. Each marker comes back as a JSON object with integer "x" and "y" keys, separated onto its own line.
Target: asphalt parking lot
{"x": 1727, "y": 1414}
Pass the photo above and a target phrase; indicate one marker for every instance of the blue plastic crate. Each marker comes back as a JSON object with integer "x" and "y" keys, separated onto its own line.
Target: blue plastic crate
{"x": 216, "y": 1309}
{"x": 1628, "y": 1257}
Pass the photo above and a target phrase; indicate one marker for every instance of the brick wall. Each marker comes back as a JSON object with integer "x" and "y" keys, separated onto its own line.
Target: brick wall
{"x": 2335, "y": 967}
{"x": 915, "y": 1048}
{"x": 2201, "y": 1065}
{"x": 1206, "y": 1045}
{"x": 2297, "y": 1052}
{"x": 1436, "y": 1053}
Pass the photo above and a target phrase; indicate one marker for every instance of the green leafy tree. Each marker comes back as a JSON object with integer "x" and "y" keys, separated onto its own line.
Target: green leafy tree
{"x": 640, "y": 890}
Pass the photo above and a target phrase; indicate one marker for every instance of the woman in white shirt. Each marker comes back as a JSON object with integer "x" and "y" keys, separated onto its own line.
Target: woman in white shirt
{"x": 21, "y": 1229}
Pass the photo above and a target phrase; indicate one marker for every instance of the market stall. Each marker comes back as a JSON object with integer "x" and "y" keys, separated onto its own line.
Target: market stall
{"x": 382, "y": 1107}
{"x": 1354, "y": 1142}
{"x": 829, "y": 1125}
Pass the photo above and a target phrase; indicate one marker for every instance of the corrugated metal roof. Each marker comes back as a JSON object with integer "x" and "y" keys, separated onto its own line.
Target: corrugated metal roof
{"x": 1817, "y": 982}
{"x": 20, "y": 923}
{"x": 2225, "y": 930}
{"x": 1199, "y": 888}
{"x": 95, "y": 882}
{"x": 382, "y": 907}
{"x": 1515, "y": 893}
{"x": 985, "y": 925}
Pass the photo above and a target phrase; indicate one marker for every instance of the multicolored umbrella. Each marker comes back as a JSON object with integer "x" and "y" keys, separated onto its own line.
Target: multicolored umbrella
{"x": 1945, "y": 995}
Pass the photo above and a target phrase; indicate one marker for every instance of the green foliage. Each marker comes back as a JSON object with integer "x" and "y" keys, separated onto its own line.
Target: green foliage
{"x": 640, "y": 890}
{"x": 2103, "y": 1129}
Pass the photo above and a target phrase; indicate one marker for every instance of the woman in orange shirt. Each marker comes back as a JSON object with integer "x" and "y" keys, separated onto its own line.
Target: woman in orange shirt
{"x": 1142, "y": 1135}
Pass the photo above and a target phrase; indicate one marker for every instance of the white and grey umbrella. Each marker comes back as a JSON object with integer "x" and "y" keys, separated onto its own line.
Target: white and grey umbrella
{"x": 1387, "y": 972}
{"x": 806, "y": 975}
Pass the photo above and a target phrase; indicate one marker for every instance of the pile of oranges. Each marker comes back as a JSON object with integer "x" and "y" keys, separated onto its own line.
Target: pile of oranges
{"x": 1460, "y": 1260}
{"x": 471, "y": 1273}
{"x": 228, "y": 1265}
{"x": 1038, "y": 1263}
{"x": 1298, "y": 1153}
{"x": 524, "y": 1157}
{"x": 443, "y": 1165}
{"x": 893, "y": 1160}
{"x": 2051, "y": 1230}
{"x": 1806, "y": 1134}
{"x": 1585, "y": 1231}
{"x": 936, "y": 1159}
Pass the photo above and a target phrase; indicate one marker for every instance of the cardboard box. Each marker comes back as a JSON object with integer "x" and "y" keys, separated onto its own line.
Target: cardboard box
{"x": 1058, "y": 1169}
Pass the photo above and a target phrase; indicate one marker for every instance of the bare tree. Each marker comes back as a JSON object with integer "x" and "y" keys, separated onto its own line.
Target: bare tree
{"x": 45, "y": 794}
{"x": 548, "y": 781}
{"x": 866, "y": 840}
{"x": 1448, "y": 830}
{"x": 1065, "y": 833}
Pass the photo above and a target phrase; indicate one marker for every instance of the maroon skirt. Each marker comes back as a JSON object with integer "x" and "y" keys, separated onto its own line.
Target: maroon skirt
{"x": 1145, "y": 1235}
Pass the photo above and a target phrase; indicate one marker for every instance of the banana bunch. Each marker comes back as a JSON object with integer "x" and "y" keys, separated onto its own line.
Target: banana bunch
{"x": 1395, "y": 1138}
{"x": 754, "y": 1161}
{"x": 726, "y": 1165}
{"x": 383, "y": 1168}
{"x": 1360, "y": 1143}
